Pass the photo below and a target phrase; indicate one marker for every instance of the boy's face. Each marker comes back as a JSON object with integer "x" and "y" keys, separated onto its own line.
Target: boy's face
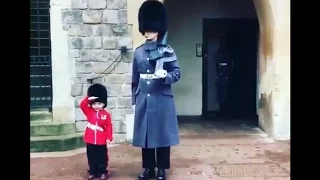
{"x": 97, "y": 105}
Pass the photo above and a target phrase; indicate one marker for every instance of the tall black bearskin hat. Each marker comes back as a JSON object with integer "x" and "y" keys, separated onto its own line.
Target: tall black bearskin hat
{"x": 99, "y": 91}
{"x": 152, "y": 17}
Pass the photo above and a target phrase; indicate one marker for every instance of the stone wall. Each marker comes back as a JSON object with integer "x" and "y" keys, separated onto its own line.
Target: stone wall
{"x": 96, "y": 31}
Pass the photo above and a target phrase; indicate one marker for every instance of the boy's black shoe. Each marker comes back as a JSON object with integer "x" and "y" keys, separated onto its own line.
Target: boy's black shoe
{"x": 161, "y": 174}
{"x": 147, "y": 174}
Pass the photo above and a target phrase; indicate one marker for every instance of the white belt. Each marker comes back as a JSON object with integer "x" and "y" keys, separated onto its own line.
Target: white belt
{"x": 94, "y": 127}
{"x": 148, "y": 76}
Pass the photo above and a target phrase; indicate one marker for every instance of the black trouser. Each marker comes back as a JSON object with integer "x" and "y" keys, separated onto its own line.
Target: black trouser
{"x": 97, "y": 159}
{"x": 156, "y": 157}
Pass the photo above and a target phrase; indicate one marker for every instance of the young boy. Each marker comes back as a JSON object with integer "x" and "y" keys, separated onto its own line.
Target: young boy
{"x": 98, "y": 132}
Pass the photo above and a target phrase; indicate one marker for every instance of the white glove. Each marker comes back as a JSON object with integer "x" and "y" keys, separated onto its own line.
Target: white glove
{"x": 92, "y": 98}
{"x": 134, "y": 108}
{"x": 161, "y": 73}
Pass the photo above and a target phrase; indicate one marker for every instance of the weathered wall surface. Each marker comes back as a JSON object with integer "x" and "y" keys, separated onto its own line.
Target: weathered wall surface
{"x": 96, "y": 30}
{"x": 62, "y": 69}
{"x": 274, "y": 67}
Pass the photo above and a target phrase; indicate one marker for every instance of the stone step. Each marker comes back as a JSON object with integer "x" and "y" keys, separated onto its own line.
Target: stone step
{"x": 43, "y": 128}
{"x": 56, "y": 143}
{"x": 40, "y": 115}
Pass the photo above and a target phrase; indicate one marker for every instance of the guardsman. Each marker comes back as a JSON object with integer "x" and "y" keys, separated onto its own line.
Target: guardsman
{"x": 155, "y": 69}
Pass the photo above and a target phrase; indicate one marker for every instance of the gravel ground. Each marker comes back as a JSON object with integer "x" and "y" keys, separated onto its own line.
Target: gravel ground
{"x": 197, "y": 157}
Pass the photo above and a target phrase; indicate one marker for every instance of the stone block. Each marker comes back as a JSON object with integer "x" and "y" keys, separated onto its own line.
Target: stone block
{"x": 80, "y": 30}
{"x": 128, "y": 79}
{"x": 129, "y": 124}
{"x": 113, "y": 90}
{"x": 115, "y": 55}
{"x": 96, "y": 55}
{"x": 75, "y": 42}
{"x": 102, "y": 30}
{"x": 123, "y": 30}
{"x": 114, "y": 79}
{"x": 85, "y": 55}
{"x": 85, "y": 88}
{"x": 102, "y": 67}
{"x": 117, "y": 114}
{"x": 97, "y": 4}
{"x": 119, "y": 138}
{"x": 66, "y": 27}
{"x": 119, "y": 126}
{"x": 81, "y": 125}
{"x": 92, "y": 16}
{"x": 84, "y": 67}
{"x": 117, "y": 4}
{"x": 81, "y": 78}
{"x": 126, "y": 90}
{"x": 123, "y": 16}
{"x": 92, "y": 42}
{"x": 109, "y": 42}
{"x": 72, "y": 29}
{"x": 70, "y": 16}
{"x": 77, "y": 101}
{"x": 129, "y": 68}
{"x": 74, "y": 53}
{"x": 106, "y": 55}
{"x": 56, "y": 143}
{"x": 79, "y": 116}
{"x": 76, "y": 90}
{"x": 79, "y": 4}
{"x": 114, "y": 16}
{"x": 97, "y": 79}
{"x": 128, "y": 56}
{"x": 129, "y": 111}
{"x": 124, "y": 41}
{"x": 51, "y": 128}
{"x": 40, "y": 115}
{"x": 112, "y": 102}
{"x": 124, "y": 102}
{"x": 121, "y": 68}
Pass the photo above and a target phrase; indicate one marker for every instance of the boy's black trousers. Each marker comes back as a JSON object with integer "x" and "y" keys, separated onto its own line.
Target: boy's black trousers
{"x": 98, "y": 159}
{"x": 156, "y": 157}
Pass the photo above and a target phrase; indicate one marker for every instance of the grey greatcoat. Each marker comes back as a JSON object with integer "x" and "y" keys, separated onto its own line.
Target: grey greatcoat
{"x": 155, "y": 119}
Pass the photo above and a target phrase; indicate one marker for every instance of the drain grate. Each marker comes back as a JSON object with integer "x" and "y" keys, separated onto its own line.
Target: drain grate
{"x": 250, "y": 170}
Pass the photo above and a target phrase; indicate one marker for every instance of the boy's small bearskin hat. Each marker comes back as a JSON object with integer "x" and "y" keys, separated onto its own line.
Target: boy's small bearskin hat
{"x": 152, "y": 17}
{"x": 99, "y": 91}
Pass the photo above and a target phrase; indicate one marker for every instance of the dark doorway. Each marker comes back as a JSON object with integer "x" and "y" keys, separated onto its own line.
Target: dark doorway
{"x": 230, "y": 49}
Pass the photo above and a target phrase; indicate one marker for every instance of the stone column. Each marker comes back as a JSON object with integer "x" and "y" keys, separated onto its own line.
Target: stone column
{"x": 274, "y": 62}
{"x": 97, "y": 29}
{"x": 281, "y": 95}
{"x": 62, "y": 66}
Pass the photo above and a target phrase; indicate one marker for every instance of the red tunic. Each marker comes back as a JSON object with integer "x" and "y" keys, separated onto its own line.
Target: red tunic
{"x": 99, "y": 127}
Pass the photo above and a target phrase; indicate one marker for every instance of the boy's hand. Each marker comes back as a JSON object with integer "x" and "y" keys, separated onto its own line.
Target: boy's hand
{"x": 108, "y": 141}
{"x": 92, "y": 98}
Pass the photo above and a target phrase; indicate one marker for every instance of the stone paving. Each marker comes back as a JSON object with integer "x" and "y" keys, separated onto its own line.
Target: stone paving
{"x": 242, "y": 154}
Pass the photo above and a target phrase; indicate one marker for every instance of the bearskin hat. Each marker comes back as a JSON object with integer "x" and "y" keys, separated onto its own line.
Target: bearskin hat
{"x": 152, "y": 16}
{"x": 100, "y": 91}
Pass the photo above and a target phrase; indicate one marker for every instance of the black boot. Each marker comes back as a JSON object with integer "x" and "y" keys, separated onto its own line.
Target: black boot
{"x": 147, "y": 174}
{"x": 161, "y": 174}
